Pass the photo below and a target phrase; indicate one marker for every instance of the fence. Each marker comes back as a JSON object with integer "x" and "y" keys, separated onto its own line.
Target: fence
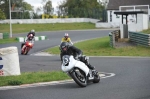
{"x": 58, "y": 20}
{"x": 95, "y": 13}
{"x": 139, "y": 38}
{"x": 114, "y": 36}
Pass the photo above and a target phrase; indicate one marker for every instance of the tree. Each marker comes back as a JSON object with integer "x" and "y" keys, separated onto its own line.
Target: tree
{"x": 27, "y": 6}
{"x": 81, "y": 8}
{"x": 47, "y": 7}
{"x": 17, "y": 6}
{"x": 2, "y": 15}
{"x": 4, "y": 6}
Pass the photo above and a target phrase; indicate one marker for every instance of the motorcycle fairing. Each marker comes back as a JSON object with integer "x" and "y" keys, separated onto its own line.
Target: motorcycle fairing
{"x": 71, "y": 63}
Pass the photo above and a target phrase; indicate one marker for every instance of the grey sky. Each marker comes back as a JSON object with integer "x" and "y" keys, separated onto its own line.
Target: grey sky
{"x": 37, "y": 3}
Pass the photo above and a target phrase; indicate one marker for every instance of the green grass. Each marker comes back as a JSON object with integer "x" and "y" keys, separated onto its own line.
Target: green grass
{"x": 24, "y": 28}
{"x": 8, "y": 40}
{"x": 33, "y": 77}
{"x": 94, "y": 47}
{"x": 146, "y": 31}
{"x": 101, "y": 47}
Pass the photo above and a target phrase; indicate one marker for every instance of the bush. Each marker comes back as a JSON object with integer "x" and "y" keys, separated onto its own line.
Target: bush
{"x": 2, "y": 15}
{"x": 14, "y": 82}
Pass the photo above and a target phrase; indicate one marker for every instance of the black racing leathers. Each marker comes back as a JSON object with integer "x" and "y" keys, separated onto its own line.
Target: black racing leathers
{"x": 77, "y": 53}
{"x": 26, "y": 38}
{"x": 72, "y": 50}
{"x": 30, "y": 33}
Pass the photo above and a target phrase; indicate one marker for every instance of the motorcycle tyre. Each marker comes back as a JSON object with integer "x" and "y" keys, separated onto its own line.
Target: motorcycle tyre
{"x": 25, "y": 53}
{"x": 75, "y": 78}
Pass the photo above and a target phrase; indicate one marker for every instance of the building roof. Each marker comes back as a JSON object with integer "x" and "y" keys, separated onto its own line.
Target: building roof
{"x": 128, "y": 12}
{"x": 114, "y": 4}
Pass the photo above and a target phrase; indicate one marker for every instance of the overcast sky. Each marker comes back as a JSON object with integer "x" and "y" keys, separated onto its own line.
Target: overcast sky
{"x": 37, "y": 3}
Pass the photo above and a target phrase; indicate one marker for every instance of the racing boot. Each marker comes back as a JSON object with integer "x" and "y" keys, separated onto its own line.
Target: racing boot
{"x": 88, "y": 63}
{"x": 90, "y": 66}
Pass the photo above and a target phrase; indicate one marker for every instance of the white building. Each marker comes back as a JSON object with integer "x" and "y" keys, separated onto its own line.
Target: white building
{"x": 133, "y": 5}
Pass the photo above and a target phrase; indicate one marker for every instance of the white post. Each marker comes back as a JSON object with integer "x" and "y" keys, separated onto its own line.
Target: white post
{"x": 10, "y": 19}
{"x": 148, "y": 13}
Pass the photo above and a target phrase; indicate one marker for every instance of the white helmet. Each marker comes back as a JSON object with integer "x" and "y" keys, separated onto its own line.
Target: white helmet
{"x": 66, "y": 35}
{"x": 32, "y": 31}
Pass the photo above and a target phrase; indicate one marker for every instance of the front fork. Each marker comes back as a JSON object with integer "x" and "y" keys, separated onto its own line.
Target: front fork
{"x": 77, "y": 71}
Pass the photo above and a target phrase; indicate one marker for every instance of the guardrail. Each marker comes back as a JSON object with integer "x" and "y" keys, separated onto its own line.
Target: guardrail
{"x": 114, "y": 36}
{"x": 139, "y": 38}
{"x": 58, "y": 20}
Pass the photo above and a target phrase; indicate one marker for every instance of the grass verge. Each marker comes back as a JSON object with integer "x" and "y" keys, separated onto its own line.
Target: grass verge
{"x": 8, "y": 40}
{"x": 33, "y": 77}
{"x": 24, "y": 28}
{"x": 146, "y": 31}
{"x": 101, "y": 47}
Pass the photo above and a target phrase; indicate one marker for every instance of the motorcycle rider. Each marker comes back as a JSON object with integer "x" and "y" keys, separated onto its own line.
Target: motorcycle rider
{"x": 67, "y": 49}
{"x": 66, "y": 38}
{"x": 30, "y": 37}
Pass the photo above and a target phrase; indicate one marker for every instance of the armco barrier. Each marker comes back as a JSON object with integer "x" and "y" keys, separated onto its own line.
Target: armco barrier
{"x": 37, "y": 38}
{"x": 9, "y": 61}
{"x": 58, "y": 20}
{"x": 139, "y": 38}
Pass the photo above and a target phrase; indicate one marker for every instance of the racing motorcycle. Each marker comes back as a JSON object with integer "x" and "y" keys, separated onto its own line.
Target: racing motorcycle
{"x": 79, "y": 71}
{"x": 26, "y": 48}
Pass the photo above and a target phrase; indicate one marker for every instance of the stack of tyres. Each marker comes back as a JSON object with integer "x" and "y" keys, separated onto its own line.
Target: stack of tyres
{"x": 5, "y": 35}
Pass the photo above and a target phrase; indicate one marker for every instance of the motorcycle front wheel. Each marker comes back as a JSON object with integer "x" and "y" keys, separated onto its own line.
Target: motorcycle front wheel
{"x": 80, "y": 78}
{"x": 25, "y": 52}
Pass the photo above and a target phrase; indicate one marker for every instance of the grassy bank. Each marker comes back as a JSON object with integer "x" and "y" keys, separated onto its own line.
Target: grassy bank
{"x": 33, "y": 77}
{"x": 101, "y": 47}
{"x": 23, "y": 28}
{"x": 146, "y": 31}
{"x": 9, "y": 40}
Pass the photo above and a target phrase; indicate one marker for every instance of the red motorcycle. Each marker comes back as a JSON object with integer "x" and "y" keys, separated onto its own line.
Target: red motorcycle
{"x": 26, "y": 48}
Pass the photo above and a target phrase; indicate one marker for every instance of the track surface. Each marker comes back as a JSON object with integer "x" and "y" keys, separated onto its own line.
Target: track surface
{"x": 131, "y": 81}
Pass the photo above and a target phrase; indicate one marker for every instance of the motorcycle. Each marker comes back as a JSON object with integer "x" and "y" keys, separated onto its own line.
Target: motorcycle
{"x": 79, "y": 71}
{"x": 26, "y": 48}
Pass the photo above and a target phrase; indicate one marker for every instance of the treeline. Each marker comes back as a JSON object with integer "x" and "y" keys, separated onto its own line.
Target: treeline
{"x": 67, "y": 8}
{"x": 81, "y": 8}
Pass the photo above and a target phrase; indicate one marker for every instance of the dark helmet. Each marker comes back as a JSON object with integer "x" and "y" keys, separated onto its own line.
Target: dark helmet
{"x": 64, "y": 46}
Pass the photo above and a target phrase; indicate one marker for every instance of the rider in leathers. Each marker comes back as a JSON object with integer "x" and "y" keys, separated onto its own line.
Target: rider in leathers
{"x": 67, "y": 49}
{"x": 27, "y": 38}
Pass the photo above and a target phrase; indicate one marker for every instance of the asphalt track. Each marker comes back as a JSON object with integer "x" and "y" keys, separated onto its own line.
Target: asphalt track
{"x": 131, "y": 80}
